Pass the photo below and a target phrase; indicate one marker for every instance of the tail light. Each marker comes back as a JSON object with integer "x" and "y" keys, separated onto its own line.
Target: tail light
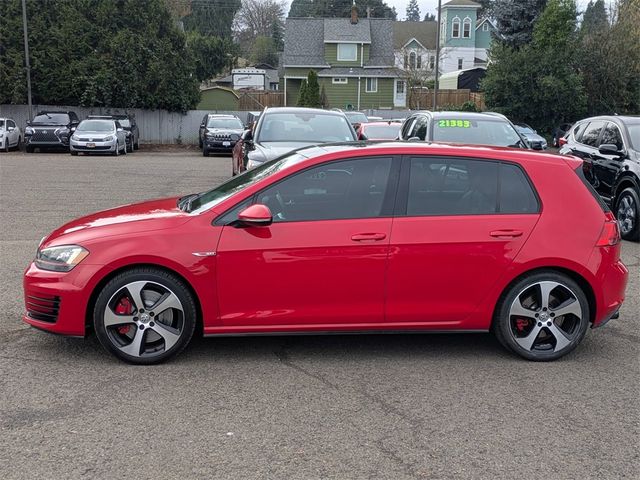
{"x": 610, "y": 234}
{"x": 562, "y": 141}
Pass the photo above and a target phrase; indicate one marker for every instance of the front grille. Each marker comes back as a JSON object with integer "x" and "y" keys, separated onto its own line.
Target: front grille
{"x": 43, "y": 308}
{"x": 222, "y": 137}
{"x": 40, "y": 136}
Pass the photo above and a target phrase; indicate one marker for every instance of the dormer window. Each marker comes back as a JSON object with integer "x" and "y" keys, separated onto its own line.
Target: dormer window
{"x": 347, "y": 52}
{"x": 485, "y": 27}
{"x": 455, "y": 28}
{"x": 466, "y": 28}
{"x": 412, "y": 60}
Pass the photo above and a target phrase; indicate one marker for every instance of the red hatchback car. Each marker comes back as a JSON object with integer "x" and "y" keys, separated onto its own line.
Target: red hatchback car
{"x": 382, "y": 237}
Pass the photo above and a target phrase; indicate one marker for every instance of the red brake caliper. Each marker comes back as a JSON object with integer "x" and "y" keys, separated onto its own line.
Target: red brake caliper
{"x": 521, "y": 324}
{"x": 124, "y": 307}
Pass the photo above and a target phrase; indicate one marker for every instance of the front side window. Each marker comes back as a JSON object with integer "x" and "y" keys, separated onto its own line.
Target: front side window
{"x": 347, "y": 52}
{"x": 10, "y": 124}
{"x": 1, "y": 124}
{"x": 612, "y": 136}
{"x": 372, "y": 85}
{"x": 455, "y": 27}
{"x": 591, "y": 134}
{"x": 347, "y": 189}
{"x": 420, "y": 128}
{"x": 406, "y": 128}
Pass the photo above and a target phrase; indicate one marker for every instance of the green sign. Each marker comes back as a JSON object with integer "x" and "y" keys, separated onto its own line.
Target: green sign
{"x": 454, "y": 124}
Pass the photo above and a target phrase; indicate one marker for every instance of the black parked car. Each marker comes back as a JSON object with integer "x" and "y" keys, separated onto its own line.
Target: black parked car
{"x": 464, "y": 127}
{"x": 129, "y": 125}
{"x": 610, "y": 148}
{"x": 50, "y": 129}
{"x": 559, "y": 132}
{"x": 219, "y": 133}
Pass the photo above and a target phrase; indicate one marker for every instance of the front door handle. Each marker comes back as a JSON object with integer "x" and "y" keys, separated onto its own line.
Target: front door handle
{"x": 506, "y": 233}
{"x": 363, "y": 237}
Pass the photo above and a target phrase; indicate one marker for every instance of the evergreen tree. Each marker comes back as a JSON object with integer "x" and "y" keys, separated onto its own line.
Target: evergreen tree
{"x": 302, "y": 95}
{"x": 264, "y": 51}
{"x": 429, "y": 17}
{"x": 515, "y": 20}
{"x": 594, "y": 18}
{"x": 324, "y": 100}
{"x": 277, "y": 33}
{"x": 413, "y": 11}
{"x": 211, "y": 17}
{"x": 313, "y": 90}
{"x": 340, "y": 9}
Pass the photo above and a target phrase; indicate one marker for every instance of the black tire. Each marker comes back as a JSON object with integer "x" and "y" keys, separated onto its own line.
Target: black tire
{"x": 28, "y": 149}
{"x": 136, "y": 146}
{"x": 543, "y": 346}
{"x": 154, "y": 278}
{"x": 116, "y": 151}
{"x": 124, "y": 148}
{"x": 200, "y": 143}
{"x": 131, "y": 146}
{"x": 6, "y": 146}
{"x": 74, "y": 154}
{"x": 627, "y": 212}
{"x": 205, "y": 152}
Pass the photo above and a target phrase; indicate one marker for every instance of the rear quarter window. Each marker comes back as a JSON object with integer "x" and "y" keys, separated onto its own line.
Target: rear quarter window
{"x": 516, "y": 192}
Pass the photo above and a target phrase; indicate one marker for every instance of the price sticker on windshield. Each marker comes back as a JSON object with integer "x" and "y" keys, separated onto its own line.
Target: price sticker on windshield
{"x": 454, "y": 124}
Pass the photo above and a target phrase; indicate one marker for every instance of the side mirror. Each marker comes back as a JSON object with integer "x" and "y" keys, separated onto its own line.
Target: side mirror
{"x": 247, "y": 136}
{"x": 28, "y": 122}
{"x": 73, "y": 128}
{"x": 610, "y": 149}
{"x": 536, "y": 144}
{"x": 202, "y": 125}
{"x": 11, "y": 129}
{"x": 234, "y": 137}
{"x": 256, "y": 215}
{"x": 120, "y": 129}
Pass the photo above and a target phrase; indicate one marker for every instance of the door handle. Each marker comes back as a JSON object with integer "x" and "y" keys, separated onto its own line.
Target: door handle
{"x": 506, "y": 233}
{"x": 363, "y": 237}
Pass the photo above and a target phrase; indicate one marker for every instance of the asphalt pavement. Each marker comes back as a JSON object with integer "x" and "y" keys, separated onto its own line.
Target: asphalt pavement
{"x": 301, "y": 407}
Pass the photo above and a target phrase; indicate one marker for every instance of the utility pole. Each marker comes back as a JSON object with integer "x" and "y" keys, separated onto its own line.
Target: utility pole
{"x": 435, "y": 83}
{"x": 26, "y": 55}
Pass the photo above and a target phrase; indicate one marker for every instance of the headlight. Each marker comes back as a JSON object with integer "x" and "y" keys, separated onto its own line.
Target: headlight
{"x": 60, "y": 259}
{"x": 29, "y": 131}
{"x": 107, "y": 139}
{"x": 62, "y": 131}
{"x": 73, "y": 137}
{"x": 210, "y": 135}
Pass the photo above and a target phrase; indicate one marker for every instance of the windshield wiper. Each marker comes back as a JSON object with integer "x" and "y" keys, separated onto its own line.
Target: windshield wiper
{"x": 184, "y": 203}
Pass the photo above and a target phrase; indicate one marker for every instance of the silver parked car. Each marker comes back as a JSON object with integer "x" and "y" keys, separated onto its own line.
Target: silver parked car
{"x": 10, "y": 135}
{"x": 99, "y": 136}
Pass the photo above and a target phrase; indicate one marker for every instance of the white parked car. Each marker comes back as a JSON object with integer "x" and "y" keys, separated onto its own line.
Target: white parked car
{"x": 99, "y": 136}
{"x": 10, "y": 135}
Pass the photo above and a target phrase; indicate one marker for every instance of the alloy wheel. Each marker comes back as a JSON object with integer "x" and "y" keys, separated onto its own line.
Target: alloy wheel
{"x": 144, "y": 319}
{"x": 626, "y": 214}
{"x": 546, "y": 317}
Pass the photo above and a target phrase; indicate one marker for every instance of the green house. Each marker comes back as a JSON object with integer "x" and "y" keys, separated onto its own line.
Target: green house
{"x": 353, "y": 57}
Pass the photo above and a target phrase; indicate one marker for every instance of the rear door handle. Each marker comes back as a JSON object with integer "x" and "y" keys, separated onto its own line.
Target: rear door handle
{"x": 363, "y": 237}
{"x": 506, "y": 233}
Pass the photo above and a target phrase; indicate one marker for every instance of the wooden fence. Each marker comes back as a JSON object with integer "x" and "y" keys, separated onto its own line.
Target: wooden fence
{"x": 259, "y": 99}
{"x": 423, "y": 100}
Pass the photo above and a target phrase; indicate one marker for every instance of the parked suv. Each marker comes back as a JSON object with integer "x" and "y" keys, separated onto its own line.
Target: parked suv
{"x": 128, "y": 124}
{"x": 219, "y": 133}
{"x": 610, "y": 148}
{"x": 50, "y": 129}
{"x": 464, "y": 127}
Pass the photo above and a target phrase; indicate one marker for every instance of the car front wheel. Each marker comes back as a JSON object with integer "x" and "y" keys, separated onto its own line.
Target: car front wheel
{"x": 144, "y": 316}
{"x": 542, "y": 317}
{"x": 628, "y": 213}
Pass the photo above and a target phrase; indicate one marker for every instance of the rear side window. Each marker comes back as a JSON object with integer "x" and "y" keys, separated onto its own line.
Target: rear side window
{"x": 578, "y": 130}
{"x": 612, "y": 136}
{"x": 591, "y": 134}
{"x": 468, "y": 187}
{"x": 580, "y": 173}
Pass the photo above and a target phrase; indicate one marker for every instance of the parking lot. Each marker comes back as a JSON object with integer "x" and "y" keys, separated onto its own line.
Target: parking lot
{"x": 308, "y": 407}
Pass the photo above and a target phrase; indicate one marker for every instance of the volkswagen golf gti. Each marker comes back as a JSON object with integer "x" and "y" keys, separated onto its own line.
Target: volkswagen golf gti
{"x": 344, "y": 238}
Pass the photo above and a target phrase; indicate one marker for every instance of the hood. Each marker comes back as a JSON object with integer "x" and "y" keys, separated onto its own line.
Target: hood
{"x": 48, "y": 125}
{"x": 271, "y": 150}
{"x": 138, "y": 217}
{"x": 93, "y": 133}
{"x": 225, "y": 130}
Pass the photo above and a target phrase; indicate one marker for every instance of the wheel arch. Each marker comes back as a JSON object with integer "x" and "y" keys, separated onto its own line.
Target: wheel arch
{"x": 113, "y": 273}
{"x": 626, "y": 180}
{"x": 575, "y": 276}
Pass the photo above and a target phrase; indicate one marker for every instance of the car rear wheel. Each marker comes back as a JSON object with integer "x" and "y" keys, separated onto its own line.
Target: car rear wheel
{"x": 628, "y": 214}
{"x": 542, "y": 317}
{"x": 28, "y": 149}
{"x": 6, "y": 145}
{"x": 144, "y": 316}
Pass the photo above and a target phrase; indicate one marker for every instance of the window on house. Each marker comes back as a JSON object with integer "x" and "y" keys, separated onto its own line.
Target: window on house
{"x": 406, "y": 61}
{"x": 419, "y": 62}
{"x": 400, "y": 86}
{"x": 412, "y": 60}
{"x": 460, "y": 60}
{"x": 485, "y": 27}
{"x": 455, "y": 27}
{"x": 432, "y": 62}
{"x": 372, "y": 85}
{"x": 347, "y": 52}
{"x": 340, "y": 80}
{"x": 466, "y": 28}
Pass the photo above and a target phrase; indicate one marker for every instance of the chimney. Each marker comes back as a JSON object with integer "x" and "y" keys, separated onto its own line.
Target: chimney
{"x": 354, "y": 13}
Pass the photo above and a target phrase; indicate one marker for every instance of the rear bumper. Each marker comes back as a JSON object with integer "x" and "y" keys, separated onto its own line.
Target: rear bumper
{"x": 613, "y": 280}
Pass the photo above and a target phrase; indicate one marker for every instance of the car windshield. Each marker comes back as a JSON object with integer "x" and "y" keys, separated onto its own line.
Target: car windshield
{"x": 357, "y": 117}
{"x": 210, "y": 199}
{"x": 525, "y": 130}
{"x": 51, "y": 119}
{"x": 95, "y": 126}
{"x": 304, "y": 127}
{"x": 224, "y": 123}
{"x": 476, "y": 131}
{"x": 382, "y": 132}
{"x": 1, "y": 124}
{"x": 634, "y": 135}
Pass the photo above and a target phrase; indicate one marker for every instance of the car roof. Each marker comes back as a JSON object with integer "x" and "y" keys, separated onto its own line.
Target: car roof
{"x": 302, "y": 110}
{"x": 44, "y": 112}
{"x": 631, "y": 119}
{"x": 221, "y": 115}
{"x": 380, "y": 123}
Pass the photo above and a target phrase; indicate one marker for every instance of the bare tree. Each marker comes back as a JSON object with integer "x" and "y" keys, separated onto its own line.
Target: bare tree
{"x": 417, "y": 67}
{"x": 256, "y": 18}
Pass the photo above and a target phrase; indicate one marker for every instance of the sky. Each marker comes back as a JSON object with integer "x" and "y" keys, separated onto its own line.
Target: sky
{"x": 431, "y": 6}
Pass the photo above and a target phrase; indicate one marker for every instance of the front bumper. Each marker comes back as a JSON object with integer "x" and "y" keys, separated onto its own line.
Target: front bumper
{"x": 219, "y": 145}
{"x": 63, "y": 142}
{"x": 95, "y": 146}
{"x": 57, "y": 301}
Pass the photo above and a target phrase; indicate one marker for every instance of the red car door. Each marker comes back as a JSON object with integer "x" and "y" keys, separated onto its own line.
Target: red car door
{"x": 458, "y": 231}
{"x": 321, "y": 263}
